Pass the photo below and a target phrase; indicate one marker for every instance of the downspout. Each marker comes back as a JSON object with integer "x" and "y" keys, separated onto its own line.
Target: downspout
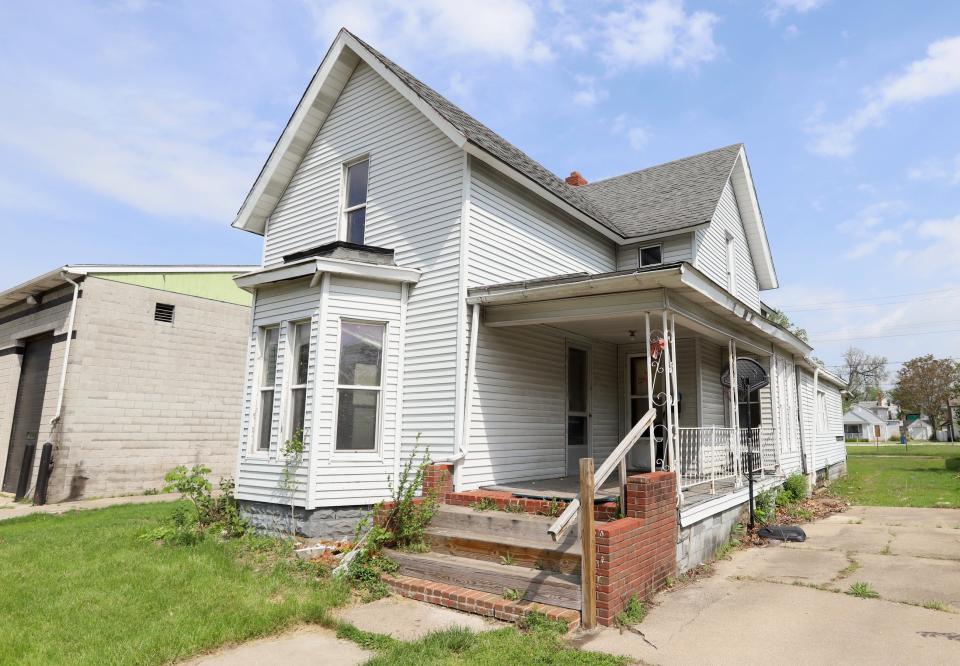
{"x": 799, "y": 383}
{"x": 55, "y": 421}
{"x": 816, "y": 428}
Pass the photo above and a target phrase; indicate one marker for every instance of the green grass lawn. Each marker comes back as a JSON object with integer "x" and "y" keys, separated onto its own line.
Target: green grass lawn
{"x": 921, "y": 476}
{"x": 81, "y": 588}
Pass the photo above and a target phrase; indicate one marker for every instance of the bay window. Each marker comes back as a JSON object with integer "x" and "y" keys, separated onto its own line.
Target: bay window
{"x": 359, "y": 378}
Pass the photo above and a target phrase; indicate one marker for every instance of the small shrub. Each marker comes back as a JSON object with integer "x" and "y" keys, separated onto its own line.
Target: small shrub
{"x": 484, "y": 504}
{"x": 206, "y": 515}
{"x": 537, "y": 621}
{"x": 633, "y": 613}
{"x": 862, "y": 590}
{"x": 763, "y": 506}
{"x": 794, "y": 489}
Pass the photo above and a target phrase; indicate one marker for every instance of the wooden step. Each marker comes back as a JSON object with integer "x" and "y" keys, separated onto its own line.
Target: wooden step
{"x": 525, "y": 526}
{"x": 564, "y": 558}
{"x": 479, "y": 603}
{"x": 548, "y": 587}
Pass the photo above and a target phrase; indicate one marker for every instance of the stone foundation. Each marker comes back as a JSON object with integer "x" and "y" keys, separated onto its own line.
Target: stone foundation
{"x": 832, "y": 472}
{"x": 334, "y": 523}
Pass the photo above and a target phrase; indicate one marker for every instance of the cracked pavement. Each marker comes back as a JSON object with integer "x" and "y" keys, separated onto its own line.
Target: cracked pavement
{"x": 788, "y": 603}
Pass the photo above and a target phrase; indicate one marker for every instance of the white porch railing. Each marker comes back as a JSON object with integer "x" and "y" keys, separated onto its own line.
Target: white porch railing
{"x": 712, "y": 454}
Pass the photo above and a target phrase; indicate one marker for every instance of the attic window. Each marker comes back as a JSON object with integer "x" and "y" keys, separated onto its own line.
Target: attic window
{"x": 163, "y": 312}
{"x": 651, "y": 255}
{"x": 355, "y": 201}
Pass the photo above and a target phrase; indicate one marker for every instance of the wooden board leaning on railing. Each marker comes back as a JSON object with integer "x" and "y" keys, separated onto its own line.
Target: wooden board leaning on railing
{"x": 615, "y": 460}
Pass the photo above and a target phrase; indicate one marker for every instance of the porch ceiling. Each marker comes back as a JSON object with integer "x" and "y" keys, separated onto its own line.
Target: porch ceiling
{"x": 609, "y": 305}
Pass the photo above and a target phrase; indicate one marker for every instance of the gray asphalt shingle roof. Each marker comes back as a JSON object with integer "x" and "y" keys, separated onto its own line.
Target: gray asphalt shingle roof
{"x": 667, "y": 197}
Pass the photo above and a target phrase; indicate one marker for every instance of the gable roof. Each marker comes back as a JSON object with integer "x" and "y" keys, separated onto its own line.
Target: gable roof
{"x": 684, "y": 193}
{"x": 858, "y": 414}
{"x": 667, "y": 197}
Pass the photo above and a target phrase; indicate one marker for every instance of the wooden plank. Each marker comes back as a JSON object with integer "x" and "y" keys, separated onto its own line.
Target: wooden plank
{"x": 588, "y": 575}
{"x": 498, "y": 523}
{"x": 500, "y": 549}
{"x": 546, "y": 587}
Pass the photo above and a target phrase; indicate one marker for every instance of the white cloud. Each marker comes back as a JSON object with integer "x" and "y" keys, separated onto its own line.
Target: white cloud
{"x": 588, "y": 93}
{"x": 493, "y": 28}
{"x": 873, "y": 243}
{"x": 778, "y": 8}
{"x": 939, "y": 256}
{"x": 638, "y": 137}
{"x": 636, "y": 134}
{"x": 871, "y": 228}
{"x": 161, "y": 151}
{"x": 937, "y": 75}
{"x": 657, "y": 32}
{"x": 936, "y": 170}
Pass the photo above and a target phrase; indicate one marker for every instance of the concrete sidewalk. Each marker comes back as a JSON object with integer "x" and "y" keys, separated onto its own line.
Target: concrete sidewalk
{"x": 10, "y": 509}
{"x": 788, "y": 603}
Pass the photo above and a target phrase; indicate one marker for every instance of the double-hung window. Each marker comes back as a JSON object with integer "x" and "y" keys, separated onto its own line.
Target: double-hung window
{"x": 355, "y": 201}
{"x": 269, "y": 340}
{"x": 298, "y": 381}
{"x": 359, "y": 376}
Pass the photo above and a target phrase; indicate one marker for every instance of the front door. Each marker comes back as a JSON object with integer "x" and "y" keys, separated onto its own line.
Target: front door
{"x": 578, "y": 407}
{"x": 29, "y": 406}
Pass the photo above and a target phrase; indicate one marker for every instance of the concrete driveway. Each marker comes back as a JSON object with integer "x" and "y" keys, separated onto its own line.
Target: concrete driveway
{"x": 788, "y": 604}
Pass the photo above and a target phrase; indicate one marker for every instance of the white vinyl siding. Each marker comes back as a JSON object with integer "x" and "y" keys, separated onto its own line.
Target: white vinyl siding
{"x": 675, "y": 248}
{"x": 345, "y": 478}
{"x": 713, "y": 399}
{"x": 514, "y": 237}
{"x": 517, "y": 430}
{"x": 414, "y": 203}
{"x": 259, "y": 472}
{"x": 828, "y": 449}
{"x": 711, "y": 250}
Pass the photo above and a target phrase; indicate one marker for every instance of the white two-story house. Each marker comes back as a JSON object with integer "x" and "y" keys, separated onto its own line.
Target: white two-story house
{"x": 426, "y": 286}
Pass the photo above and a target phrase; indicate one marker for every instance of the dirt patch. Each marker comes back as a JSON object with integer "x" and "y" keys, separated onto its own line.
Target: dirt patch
{"x": 817, "y": 507}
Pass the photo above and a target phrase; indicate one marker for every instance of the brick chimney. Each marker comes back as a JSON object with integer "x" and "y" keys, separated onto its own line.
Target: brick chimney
{"x": 575, "y": 179}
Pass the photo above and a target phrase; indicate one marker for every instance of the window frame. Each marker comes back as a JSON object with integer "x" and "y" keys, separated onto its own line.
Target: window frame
{"x": 344, "y": 225}
{"x": 261, "y": 388}
{"x": 376, "y": 453}
{"x": 647, "y": 247}
{"x": 290, "y": 377}
{"x": 823, "y": 423}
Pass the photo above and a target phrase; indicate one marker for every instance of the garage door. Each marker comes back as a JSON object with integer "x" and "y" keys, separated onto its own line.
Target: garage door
{"x": 29, "y": 406}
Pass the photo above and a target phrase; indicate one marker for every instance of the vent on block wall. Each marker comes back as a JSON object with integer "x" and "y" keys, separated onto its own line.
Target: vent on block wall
{"x": 163, "y": 312}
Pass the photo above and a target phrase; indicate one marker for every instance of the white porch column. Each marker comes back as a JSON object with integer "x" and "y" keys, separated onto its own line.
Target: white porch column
{"x": 651, "y": 438}
{"x": 668, "y": 391}
{"x": 734, "y": 408}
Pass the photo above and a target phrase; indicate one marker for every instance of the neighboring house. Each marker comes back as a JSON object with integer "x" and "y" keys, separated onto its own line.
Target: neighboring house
{"x": 128, "y": 371}
{"x": 919, "y": 427}
{"x": 872, "y": 420}
{"x": 426, "y": 286}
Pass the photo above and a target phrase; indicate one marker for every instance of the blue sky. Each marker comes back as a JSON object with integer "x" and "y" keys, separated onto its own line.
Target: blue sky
{"x": 130, "y": 131}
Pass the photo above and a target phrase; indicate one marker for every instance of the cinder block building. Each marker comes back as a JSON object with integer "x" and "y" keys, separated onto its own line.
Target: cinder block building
{"x": 127, "y": 371}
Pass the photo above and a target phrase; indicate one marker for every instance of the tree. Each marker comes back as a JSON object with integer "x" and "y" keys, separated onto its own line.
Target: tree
{"x": 864, "y": 374}
{"x": 925, "y": 385}
{"x": 782, "y": 320}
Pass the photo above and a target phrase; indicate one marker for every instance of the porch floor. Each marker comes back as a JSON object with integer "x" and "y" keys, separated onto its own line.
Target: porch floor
{"x": 566, "y": 488}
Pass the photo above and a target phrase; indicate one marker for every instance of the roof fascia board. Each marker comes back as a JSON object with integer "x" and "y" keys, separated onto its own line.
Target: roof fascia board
{"x": 701, "y": 283}
{"x": 93, "y": 269}
{"x": 770, "y": 272}
{"x": 312, "y": 266}
{"x": 587, "y": 286}
{"x": 630, "y": 240}
{"x": 514, "y": 175}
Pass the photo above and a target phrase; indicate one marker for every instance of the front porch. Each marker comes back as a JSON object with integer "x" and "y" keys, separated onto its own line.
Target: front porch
{"x": 597, "y": 352}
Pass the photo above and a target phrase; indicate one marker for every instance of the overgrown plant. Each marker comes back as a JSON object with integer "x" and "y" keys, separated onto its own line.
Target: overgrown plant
{"x": 400, "y": 523}
{"x": 862, "y": 590}
{"x": 764, "y": 507}
{"x": 292, "y": 453}
{"x": 205, "y": 515}
{"x": 633, "y": 613}
{"x": 484, "y": 504}
{"x": 794, "y": 490}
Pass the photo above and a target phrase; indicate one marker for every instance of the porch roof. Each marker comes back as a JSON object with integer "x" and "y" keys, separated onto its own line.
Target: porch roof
{"x": 678, "y": 287}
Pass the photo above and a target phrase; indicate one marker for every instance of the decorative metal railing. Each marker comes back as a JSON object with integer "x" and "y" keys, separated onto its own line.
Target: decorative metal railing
{"x": 712, "y": 454}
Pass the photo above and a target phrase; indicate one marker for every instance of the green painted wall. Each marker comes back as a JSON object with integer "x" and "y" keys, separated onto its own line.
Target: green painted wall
{"x": 215, "y": 286}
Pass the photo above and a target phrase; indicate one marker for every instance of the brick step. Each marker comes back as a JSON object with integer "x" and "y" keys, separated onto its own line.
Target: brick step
{"x": 476, "y": 602}
{"x": 564, "y": 558}
{"x": 528, "y": 527}
{"x": 548, "y": 587}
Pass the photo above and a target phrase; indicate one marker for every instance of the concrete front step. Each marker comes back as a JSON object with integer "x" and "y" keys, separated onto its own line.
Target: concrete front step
{"x": 564, "y": 558}
{"x": 477, "y": 602}
{"x": 501, "y": 524}
{"x": 548, "y": 587}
